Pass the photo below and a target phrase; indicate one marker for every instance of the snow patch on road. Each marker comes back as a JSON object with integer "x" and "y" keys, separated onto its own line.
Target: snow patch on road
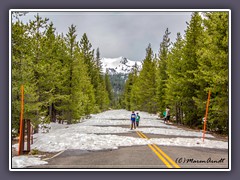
{"x": 174, "y": 132}
{"x": 190, "y": 142}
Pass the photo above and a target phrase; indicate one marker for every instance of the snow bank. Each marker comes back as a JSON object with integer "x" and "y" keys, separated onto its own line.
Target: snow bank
{"x": 24, "y": 161}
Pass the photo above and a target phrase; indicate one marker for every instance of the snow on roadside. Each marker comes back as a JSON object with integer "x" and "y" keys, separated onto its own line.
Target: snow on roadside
{"x": 24, "y": 161}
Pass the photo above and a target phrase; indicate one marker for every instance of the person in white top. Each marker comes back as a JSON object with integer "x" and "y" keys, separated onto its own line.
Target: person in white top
{"x": 167, "y": 114}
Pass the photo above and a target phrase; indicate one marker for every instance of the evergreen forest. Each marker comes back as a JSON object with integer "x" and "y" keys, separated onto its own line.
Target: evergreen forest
{"x": 182, "y": 73}
{"x": 63, "y": 78}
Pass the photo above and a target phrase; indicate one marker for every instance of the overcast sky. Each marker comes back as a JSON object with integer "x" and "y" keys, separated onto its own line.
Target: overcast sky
{"x": 120, "y": 33}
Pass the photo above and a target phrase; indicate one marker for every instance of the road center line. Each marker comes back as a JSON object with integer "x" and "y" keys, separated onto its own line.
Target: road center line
{"x": 155, "y": 151}
{"x": 160, "y": 151}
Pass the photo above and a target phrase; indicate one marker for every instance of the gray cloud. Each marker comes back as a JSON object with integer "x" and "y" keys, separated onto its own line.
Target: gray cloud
{"x": 120, "y": 33}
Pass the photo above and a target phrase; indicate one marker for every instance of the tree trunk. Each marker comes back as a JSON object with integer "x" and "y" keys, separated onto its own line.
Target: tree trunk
{"x": 54, "y": 118}
{"x": 50, "y": 112}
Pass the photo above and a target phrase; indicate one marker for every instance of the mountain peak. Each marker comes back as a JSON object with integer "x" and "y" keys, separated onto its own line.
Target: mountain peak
{"x": 119, "y": 65}
{"x": 123, "y": 60}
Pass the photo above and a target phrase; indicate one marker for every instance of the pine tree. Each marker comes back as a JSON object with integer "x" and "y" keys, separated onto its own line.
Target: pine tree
{"x": 62, "y": 84}
{"x": 36, "y": 30}
{"x": 22, "y": 74}
{"x": 27, "y": 43}
{"x": 83, "y": 92}
{"x": 101, "y": 93}
{"x": 134, "y": 94}
{"x": 146, "y": 83}
{"x": 108, "y": 86}
{"x": 88, "y": 55}
{"x": 93, "y": 65}
{"x": 98, "y": 60}
{"x": 161, "y": 72}
{"x": 50, "y": 77}
{"x": 174, "y": 73}
{"x": 127, "y": 92}
{"x": 193, "y": 39}
{"x": 71, "y": 46}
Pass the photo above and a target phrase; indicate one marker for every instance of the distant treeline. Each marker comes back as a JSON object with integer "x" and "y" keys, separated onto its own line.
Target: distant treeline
{"x": 181, "y": 74}
{"x": 118, "y": 82}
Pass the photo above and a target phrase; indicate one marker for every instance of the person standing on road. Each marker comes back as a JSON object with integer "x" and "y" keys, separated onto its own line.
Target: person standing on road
{"x": 137, "y": 120}
{"x": 168, "y": 114}
{"x": 133, "y": 118}
{"x": 165, "y": 116}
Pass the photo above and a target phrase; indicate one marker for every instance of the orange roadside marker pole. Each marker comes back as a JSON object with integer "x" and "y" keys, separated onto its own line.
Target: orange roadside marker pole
{"x": 21, "y": 138}
{"x": 205, "y": 119}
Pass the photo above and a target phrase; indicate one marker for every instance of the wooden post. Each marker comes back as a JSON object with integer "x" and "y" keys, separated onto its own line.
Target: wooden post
{"x": 21, "y": 135}
{"x": 205, "y": 118}
{"x": 31, "y": 133}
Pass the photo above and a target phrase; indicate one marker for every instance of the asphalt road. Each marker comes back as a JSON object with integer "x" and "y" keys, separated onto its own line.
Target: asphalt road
{"x": 139, "y": 157}
{"x": 145, "y": 157}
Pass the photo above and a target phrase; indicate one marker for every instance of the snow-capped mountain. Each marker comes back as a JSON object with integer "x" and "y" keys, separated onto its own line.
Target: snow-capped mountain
{"x": 119, "y": 65}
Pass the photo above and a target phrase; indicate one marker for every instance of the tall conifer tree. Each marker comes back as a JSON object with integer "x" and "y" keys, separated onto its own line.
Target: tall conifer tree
{"x": 162, "y": 69}
{"x": 147, "y": 83}
{"x": 193, "y": 38}
{"x": 174, "y": 73}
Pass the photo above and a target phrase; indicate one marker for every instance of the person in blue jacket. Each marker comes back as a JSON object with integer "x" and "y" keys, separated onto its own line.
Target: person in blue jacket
{"x": 133, "y": 119}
